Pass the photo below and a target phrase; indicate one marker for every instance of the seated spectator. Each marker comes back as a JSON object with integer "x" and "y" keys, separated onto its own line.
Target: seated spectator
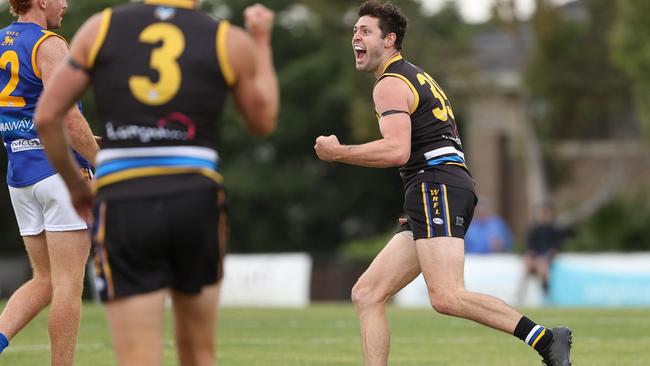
{"x": 488, "y": 232}
{"x": 543, "y": 240}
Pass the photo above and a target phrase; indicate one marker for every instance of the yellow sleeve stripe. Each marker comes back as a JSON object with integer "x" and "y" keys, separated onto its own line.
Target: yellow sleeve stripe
{"x": 46, "y": 34}
{"x": 222, "y": 53}
{"x": 101, "y": 37}
{"x": 416, "y": 100}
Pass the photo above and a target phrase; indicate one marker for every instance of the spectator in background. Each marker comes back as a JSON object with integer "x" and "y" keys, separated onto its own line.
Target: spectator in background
{"x": 488, "y": 232}
{"x": 543, "y": 240}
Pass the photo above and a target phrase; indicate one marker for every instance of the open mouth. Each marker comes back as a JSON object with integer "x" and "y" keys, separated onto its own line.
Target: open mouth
{"x": 359, "y": 52}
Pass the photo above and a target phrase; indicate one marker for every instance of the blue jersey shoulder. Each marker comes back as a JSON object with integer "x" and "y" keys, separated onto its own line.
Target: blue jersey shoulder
{"x": 20, "y": 88}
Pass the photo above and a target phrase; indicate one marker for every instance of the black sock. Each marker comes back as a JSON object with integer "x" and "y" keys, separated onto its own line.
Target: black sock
{"x": 533, "y": 334}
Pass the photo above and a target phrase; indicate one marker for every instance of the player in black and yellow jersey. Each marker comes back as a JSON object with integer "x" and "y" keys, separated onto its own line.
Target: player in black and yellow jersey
{"x": 160, "y": 72}
{"x": 420, "y": 136}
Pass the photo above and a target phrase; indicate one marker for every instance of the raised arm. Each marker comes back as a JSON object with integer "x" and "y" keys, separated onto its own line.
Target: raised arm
{"x": 391, "y": 95}
{"x": 51, "y": 53}
{"x": 256, "y": 91}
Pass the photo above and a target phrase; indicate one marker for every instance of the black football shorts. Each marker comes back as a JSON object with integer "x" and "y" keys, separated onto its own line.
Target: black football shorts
{"x": 166, "y": 241}
{"x": 438, "y": 210}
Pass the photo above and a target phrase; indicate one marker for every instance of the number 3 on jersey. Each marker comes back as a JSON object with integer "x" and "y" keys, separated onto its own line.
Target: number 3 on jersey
{"x": 164, "y": 60}
{"x": 444, "y": 111}
{"x": 6, "y": 99}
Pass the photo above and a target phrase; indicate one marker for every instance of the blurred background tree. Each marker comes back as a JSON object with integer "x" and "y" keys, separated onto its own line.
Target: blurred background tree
{"x": 576, "y": 87}
{"x": 630, "y": 43}
{"x": 621, "y": 225}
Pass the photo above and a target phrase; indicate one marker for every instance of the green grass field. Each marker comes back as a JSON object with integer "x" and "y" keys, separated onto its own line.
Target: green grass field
{"x": 327, "y": 334}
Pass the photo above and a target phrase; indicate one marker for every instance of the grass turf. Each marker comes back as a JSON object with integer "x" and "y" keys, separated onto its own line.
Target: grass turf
{"x": 327, "y": 334}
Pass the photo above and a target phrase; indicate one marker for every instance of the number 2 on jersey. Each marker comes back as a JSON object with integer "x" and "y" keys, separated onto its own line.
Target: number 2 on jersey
{"x": 164, "y": 59}
{"x": 444, "y": 111}
{"x": 6, "y": 99}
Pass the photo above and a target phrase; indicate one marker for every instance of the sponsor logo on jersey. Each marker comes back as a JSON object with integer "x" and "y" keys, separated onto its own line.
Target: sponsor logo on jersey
{"x": 164, "y": 13}
{"x": 179, "y": 118}
{"x": 9, "y": 41}
{"x": 162, "y": 131}
{"x": 438, "y": 221}
{"x": 25, "y": 125}
{"x": 24, "y": 145}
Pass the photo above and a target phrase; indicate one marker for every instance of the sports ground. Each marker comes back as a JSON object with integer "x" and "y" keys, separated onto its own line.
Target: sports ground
{"x": 327, "y": 334}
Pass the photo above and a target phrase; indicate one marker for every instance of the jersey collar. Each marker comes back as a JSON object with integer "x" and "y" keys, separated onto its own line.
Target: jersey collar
{"x": 29, "y": 24}
{"x": 390, "y": 61}
{"x": 188, "y": 4}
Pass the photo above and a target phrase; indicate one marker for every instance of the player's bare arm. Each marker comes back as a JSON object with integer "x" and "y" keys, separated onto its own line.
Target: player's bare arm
{"x": 256, "y": 90}
{"x": 390, "y": 95}
{"x": 65, "y": 86}
{"x": 51, "y": 53}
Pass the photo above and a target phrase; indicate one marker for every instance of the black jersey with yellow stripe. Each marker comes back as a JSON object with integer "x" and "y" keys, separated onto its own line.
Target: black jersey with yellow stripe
{"x": 436, "y": 149}
{"x": 160, "y": 75}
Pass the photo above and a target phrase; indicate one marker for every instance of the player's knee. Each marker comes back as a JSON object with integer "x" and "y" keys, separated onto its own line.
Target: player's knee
{"x": 44, "y": 284}
{"x": 67, "y": 287}
{"x": 364, "y": 296}
{"x": 195, "y": 353}
{"x": 358, "y": 295}
{"x": 444, "y": 304}
{"x": 189, "y": 346}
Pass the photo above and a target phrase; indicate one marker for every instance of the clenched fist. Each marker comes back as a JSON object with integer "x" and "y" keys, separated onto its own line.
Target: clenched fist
{"x": 327, "y": 147}
{"x": 258, "y": 20}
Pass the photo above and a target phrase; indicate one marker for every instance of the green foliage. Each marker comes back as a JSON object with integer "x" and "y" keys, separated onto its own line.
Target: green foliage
{"x": 571, "y": 77}
{"x": 364, "y": 250}
{"x": 630, "y": 41}
{"x": 621, "y": 225}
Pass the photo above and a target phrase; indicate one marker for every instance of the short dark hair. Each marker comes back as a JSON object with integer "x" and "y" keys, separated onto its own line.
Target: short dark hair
{"x": 391, "y": 19}
{"x": 19, "y": 7}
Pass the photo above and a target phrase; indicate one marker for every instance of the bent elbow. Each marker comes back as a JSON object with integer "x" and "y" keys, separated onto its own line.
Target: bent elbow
{"x": 42, "y": 121}
{"x": 262, "y": 130}
{"x": 401, "y": 158}
{"x": 263, "y": 126}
